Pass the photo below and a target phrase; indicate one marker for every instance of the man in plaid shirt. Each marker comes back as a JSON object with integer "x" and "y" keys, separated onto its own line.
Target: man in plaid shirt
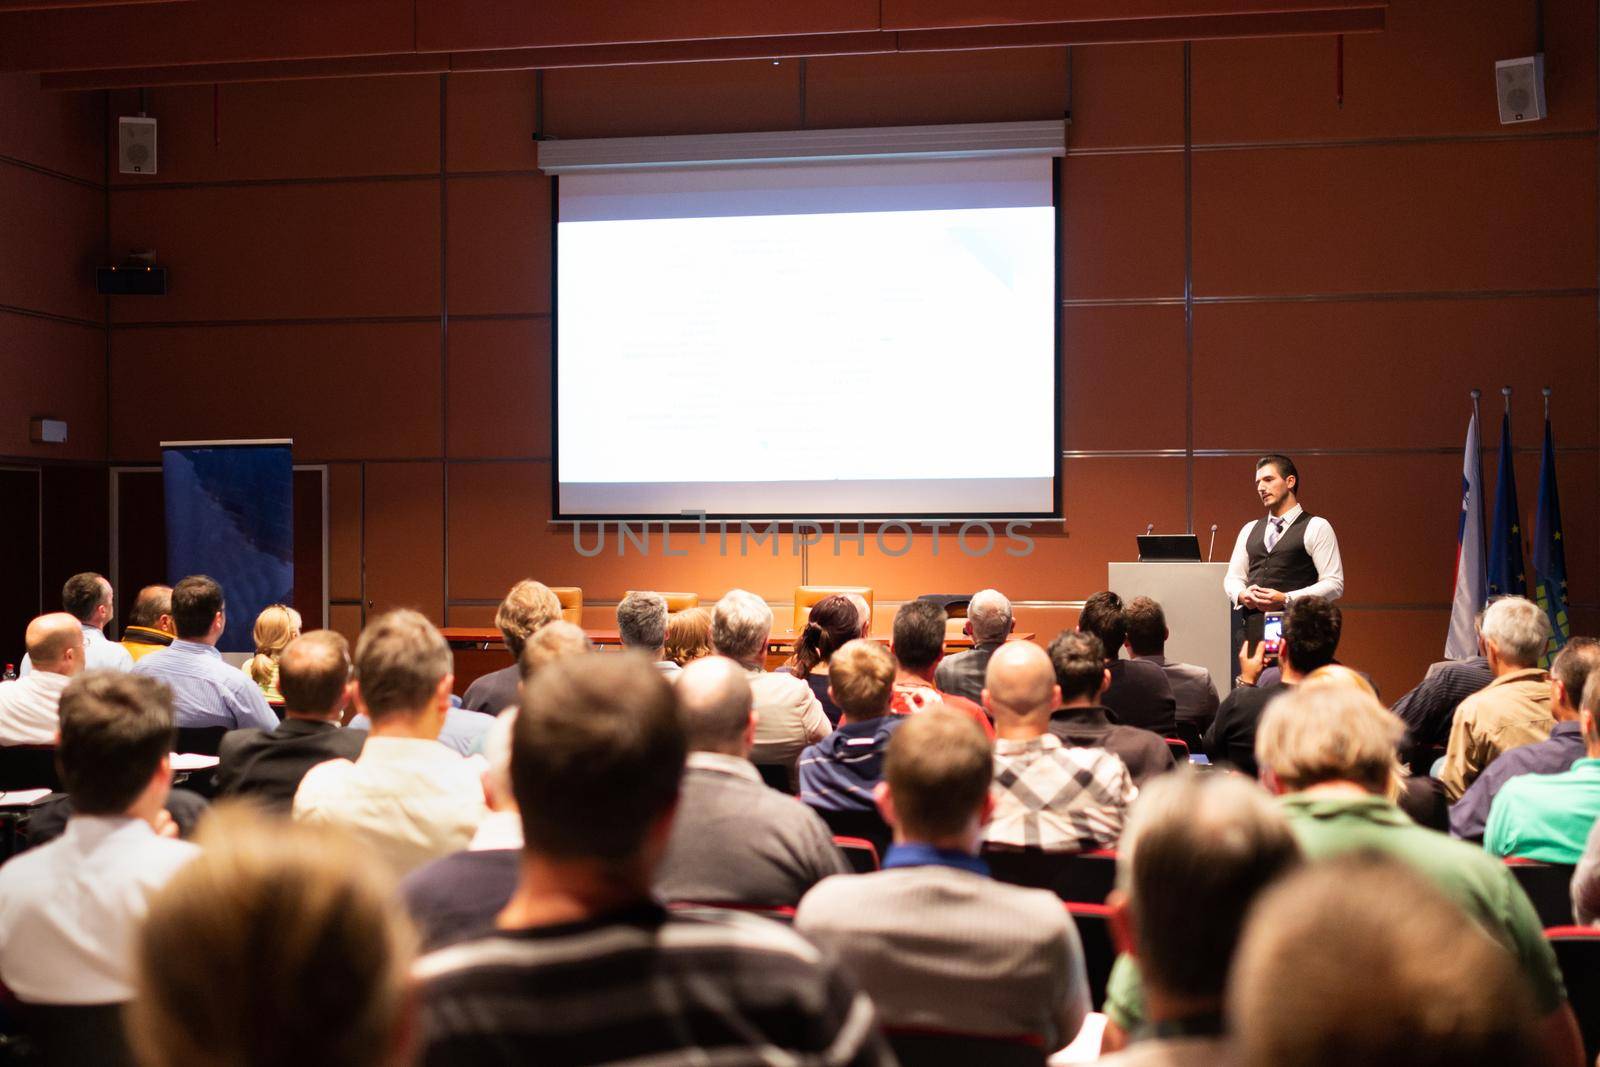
{"x": 1046, "y": 795}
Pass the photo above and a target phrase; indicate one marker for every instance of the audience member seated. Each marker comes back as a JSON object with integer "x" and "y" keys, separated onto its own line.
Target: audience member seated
{"x": 688, "y": 635}
{"x": 29, "y": 706}
{"x": 1586, "y": 882}
{"x": 205, "y": 690}
{"x": 1048, "y": 795}
{"x": 734, "y": 839}
{"x": 267, "y": 765}
{"x": 408, "y": 797}
{"x": 150, "y": 622}
{"x": 276, "y": 626}
{"x": 1512, "y": 710}
{"x": 276, "y": 947}
{"x": 69, "y": 909}
{"x": 842, "y": 771}
{"x": 833, "y": 621}
{"x": 918, "y": 646}
{"x": 1361, "y": 961}
{"x": 1082, "y": 721}
{"x": 1193, "y": 690}
{"x": 87, "y": 598}
{"x": 1311, "y": 628}
{"x": 788, "y": 715}
{"x": 1139, "y": 693}
{"x": 989, "y": 623}
{"x": 1547, "y": 817}
{"x": 602, "y": 972}
{"x": 458, "y": 896}
{"x": 1198, "y": 851}
{"x": 527, "y": 607}
{"x": 1573, "y": 666}
{"x": 932, "y": 938}
{"x": 642, "y": 626}
{"x": 1429, "y": 709}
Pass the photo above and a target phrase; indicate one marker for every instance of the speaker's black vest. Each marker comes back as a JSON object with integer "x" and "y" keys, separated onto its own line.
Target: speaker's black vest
{"x": 1288, "y": 566}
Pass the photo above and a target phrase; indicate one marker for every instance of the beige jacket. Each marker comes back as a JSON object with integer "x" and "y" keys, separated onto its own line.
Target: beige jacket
{"x": 1513, "y": 710}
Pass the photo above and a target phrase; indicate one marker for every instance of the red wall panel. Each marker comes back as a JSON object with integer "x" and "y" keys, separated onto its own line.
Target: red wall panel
{"x": 342, "y": 391}
{"x": 54, "y": 238}
{"x": 499, "y": 388}
{"x": 1394, "y": 647}
{"x": 499, "y": 245}
{"x": 490, "y": 121}
{"x": 58, "y": 131}
{"x": 1127, "y": 96}
{"x": 53, "y": 369}
{"x": 404, "y": 537}
{"x": 1122, "y": 226}
{"x": 672, "y": 98}
{"x": 344, "y": 531}
{"x": 914, "y": 89}
{"x": 1101, "y": 349}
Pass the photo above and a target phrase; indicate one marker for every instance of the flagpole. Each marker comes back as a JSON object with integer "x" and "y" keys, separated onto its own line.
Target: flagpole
{"x": 1546, "y": 392}
{"x": 1505, "y": 391}
{"x": 1475, "y": 394}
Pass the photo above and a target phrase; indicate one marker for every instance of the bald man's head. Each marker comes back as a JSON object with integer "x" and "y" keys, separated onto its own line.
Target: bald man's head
{"x": 55, "y": 643}
{"x": 1020, "y": 686}
{"x": 714, "y": 703}
{"x": 314, "y": 675}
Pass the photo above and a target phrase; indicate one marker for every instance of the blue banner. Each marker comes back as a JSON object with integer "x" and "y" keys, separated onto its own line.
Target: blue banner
{"x": 1549, "y": 556}
{"x": 230, "y": 514}
{"x": 1506, "y": 574}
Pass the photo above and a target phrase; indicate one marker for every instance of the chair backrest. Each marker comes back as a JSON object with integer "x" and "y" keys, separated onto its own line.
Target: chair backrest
{"x": 571, "y": 598}
{"x": 1577, "y": 950}
{"x": 1080, "y": 877}
{"x": 807, "y": 595}
{"x": 1099, "y": 950}
{"x": 944, "y": 1048}
{"x": 28, "y": 767}
{"x": 1189, "y": 734}
{"x": 202, "y": 740}
{"x": 1548, "y": 885}
{"x": 78, "y": 1035}
{"x": 778, "y": 776}
{"x": 861, "y": 854}
{"x": 676, "y": 602}
{"x": 780, "y": 913}
{"x": 863, "y": 823}
{"x": 1179, "y": 749}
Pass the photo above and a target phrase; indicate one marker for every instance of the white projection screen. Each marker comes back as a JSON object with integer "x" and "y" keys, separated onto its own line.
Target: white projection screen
{"x": 869, "y": 339}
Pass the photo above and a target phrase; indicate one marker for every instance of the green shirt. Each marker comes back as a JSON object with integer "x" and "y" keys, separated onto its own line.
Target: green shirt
{"x": 1545, "y": 817}
{"x": 1481, "y": 884}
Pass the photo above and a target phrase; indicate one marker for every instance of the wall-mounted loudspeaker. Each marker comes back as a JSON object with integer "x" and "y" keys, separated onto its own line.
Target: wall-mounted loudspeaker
{"x": 1519, "y": 83}
{"x": 136, "y": 145}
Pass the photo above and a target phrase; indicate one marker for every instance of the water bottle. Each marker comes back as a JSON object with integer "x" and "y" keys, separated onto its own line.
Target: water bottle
{"x": 11, "y": 673}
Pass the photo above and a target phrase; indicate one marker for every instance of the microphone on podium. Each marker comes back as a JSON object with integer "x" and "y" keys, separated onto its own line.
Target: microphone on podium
{"x": 1149, "y": 529}
{"x": 1213, "y": 546}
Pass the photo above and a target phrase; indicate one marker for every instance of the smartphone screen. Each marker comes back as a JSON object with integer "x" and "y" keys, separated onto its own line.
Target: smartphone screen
{"x": 1272, "y": 632}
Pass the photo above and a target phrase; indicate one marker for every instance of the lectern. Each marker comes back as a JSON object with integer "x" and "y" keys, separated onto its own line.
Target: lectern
{"x": 1196, "y": 608}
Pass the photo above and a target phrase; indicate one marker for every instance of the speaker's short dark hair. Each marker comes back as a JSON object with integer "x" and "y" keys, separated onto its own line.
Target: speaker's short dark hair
{"x": 1147, "y": 626}
{"x": 1102, "y": 616}
{"x": 195, "y": 602}
{"x": 919, "y": 634}
{"x": 115, "y": 730}
{"x": 1311, "y": 632}
{"x": 596, "y": 756}
{"x": 1080, "y": 664}
{"x": 1283, "y": 465}
{"x": 83, "y": 593}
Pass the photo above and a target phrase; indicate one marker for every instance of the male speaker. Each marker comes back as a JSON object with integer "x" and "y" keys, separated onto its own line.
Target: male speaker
{"x": 136, "y": 145}
{"x": 1519, "y": 83}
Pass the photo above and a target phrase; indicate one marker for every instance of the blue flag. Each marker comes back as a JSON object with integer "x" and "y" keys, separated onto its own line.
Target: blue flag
{"x": 1549, "y": 557}
{"x": 1506, "y": 573}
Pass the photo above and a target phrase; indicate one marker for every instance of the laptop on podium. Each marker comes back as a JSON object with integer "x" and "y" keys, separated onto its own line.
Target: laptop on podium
{"x": 1169, "y": 548}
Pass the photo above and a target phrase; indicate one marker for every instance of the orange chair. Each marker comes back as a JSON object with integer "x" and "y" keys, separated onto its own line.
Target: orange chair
{"x": 807, "y": 595}
{"x": 571, "y": 598}
{"x": 676, "y": 602}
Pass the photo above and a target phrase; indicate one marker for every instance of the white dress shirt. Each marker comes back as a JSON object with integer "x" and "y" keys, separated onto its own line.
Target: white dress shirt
{"x": 69, "y": 910}
{"x": 98, "y": 654}
{"x": 30, "y": 709}
{"x": 1321, "y": 544}
{"x": 411, "y": 799}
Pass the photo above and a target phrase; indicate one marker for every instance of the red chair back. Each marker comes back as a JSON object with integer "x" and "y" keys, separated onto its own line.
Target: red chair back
{"x": 1099, "y": 950}
{"x": 1577, "y": 950}
{"x": 1086, "y": 877}
{"x": 1548, "y": 885}
{"x": 861, "y": 853}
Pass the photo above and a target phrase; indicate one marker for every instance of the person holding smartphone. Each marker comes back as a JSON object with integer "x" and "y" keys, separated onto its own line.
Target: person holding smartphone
{"x": 1286, "y": 554}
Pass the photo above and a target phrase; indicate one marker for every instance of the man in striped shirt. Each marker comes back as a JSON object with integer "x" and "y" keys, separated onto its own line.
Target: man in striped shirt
{"x": 586, "y": 968}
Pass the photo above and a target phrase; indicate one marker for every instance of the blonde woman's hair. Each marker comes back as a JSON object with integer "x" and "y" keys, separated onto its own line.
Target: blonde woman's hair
{"x": 278, "y": 945}
{"x": 276, "y": 626}
{"x": 688, "y": 635}
{"x": 1331, "y": 731}
{"x": 527, "y": 607}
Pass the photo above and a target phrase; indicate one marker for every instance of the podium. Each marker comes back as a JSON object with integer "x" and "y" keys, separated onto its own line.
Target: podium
{"x": 1198, "y": 617}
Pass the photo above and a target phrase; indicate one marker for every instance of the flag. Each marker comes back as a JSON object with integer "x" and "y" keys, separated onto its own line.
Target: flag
{"x": 1471, "y": 580}
{"x": 1549, "y": 557}
{"x": 1506, "y": 574}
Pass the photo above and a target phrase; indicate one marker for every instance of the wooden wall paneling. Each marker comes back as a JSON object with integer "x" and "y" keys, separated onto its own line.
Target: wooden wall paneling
{"x": 53, "y": 369}
{"x": 1431, "y": 72}
{"x": 899, "y": 567}
{"x": 1386, "y": 374}
{"x": 21, "y": 594}
{"x": 1122, "y": 226}
{"x": 76, "y": 509}
{"x": 1044, "y": 621}
{"x": 141, "y": 535}
{"x": 673, "y": 98}
{"x": 499, "y": 388}
{"x": 490, "y": 119}
{"x": 912, "y": 14}
{"x": 908, "y": 89}
{"x": 1102, "y": 349}
{"x": 344, "y": 531}
{"x": 1127, "y": 96}
{"x": 284, "y": 251}
{"x": 403, "y": 528}
{"x": 340, "y": 390}
{"x": 54, "y": 239}
{"x": 1394, "y": 647}
{"x": 499, "y": 245}
{"x": 57, "y": 131}
{"x": 1337, "y": 220}
{"x": 307, "y": 596}
{"x": 329, "y": 128}
{"x": 346, "y": 619}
